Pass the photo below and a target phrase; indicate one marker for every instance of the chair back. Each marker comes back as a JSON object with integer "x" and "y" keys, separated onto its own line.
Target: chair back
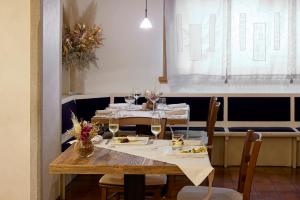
{"x": 210, "y": 129}
{"x": 248, "y": 162}
{"x": 212, "y": 101}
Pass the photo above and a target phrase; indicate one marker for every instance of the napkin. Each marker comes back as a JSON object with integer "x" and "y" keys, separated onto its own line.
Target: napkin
{"x": 176, "y": 112}
{"x": 103, "y": 112}
{"x": 94, "y": 140}
{"x": 178, "y": 105}
{"x": 118, "y": 105}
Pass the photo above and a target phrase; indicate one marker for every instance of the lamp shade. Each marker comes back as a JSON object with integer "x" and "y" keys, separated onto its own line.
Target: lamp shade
{"x": 146, "y": 24}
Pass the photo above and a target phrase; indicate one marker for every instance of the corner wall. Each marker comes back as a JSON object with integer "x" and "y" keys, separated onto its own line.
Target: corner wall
{"x": 51, "y": 103}
{"x": 15, "y": 99}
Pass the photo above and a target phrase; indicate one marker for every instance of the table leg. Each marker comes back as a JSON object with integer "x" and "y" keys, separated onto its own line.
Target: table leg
{"x": 210, "y": 182}
{"x": 62, "y": 184}
{"x": 134, "y": 186}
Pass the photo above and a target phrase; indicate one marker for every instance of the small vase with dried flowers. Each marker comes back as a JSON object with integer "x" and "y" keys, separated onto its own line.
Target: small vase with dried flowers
{"x": 83, "y": 131}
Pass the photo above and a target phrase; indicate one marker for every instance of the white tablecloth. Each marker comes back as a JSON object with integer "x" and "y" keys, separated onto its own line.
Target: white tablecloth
{"x": 195, "y": 168}
{"x": 172, "y": 111}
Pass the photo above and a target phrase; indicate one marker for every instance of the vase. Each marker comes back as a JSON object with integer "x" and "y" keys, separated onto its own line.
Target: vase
{"x": 85, "y": 149}
{"x": 76, "y": 80}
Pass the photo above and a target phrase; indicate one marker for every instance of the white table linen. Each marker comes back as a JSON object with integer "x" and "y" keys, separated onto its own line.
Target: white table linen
{"x": 195, "y": 168}
{"x": 172, "y": 111}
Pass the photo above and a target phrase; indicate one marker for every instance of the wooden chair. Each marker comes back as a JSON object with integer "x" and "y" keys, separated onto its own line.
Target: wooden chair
{"x": 112, "y": 185}
{"x": 210, "y": 128}
{"x": 248, "y": 163}
{"x": 212, "y": 101}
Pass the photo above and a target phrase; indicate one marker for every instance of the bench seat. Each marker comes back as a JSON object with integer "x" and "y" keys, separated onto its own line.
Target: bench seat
{"x": 262, "y": 129}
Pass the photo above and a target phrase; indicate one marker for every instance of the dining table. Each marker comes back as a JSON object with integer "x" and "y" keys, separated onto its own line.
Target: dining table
{"x": 173, "y": 114}
{"x": 134, "y": 161}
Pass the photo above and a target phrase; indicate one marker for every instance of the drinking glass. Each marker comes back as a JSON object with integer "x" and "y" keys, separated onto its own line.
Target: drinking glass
{"x": 162, "y": 102}
{"x": 154, "y": 98}
{"x": 177, "y": 141}
{"x": 129, "y": 100}
{"x": 156, "y": 124}
{"x": 136, "y": 94}
{"x": 114, "y": 124}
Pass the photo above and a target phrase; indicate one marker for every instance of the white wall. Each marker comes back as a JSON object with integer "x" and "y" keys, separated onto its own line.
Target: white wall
{"x": 15, "y": 99}
{"x": 132, "y": 57}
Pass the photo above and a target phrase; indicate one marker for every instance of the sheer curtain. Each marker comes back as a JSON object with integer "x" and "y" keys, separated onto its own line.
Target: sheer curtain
{"x": 227, "y": 40}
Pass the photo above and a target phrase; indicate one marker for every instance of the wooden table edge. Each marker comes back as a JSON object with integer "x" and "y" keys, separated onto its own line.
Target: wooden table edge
{"x": 118, "y": 169}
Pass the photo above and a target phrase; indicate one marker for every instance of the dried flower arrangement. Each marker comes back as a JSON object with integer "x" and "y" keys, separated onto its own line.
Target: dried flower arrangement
{"x": 82, "y": 130}
{"x": 79, "y": 45}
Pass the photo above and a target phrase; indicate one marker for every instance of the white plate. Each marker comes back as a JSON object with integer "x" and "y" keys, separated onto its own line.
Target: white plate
{"x": 178, "y": 152}
{"x": 132, "y": 141}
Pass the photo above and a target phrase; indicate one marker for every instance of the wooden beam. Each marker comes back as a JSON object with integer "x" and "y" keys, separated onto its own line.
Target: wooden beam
{"x": 164, "y": 78}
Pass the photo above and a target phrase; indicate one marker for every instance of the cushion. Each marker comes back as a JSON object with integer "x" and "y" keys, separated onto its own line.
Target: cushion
{"x": 196, "y": 193}
{"x": 151, "y": 179}
{"x": 198, "y": 106}
{"x": 262, "y": 129}
{"x": 86, "y": 107}
{"x": 258, "y": 108}
{"x": 297, "y": 108}
{"x": 217, "y": 129}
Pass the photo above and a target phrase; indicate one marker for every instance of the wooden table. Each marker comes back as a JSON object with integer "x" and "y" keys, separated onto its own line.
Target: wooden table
{"x": 106, "y": 161}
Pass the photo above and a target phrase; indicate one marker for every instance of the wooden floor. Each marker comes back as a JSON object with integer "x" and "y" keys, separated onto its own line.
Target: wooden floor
{"x": 274, "y": 183}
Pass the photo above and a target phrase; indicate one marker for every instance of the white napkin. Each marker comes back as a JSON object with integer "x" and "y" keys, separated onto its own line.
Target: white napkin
{"x": 94, "y": 140}
{"x": 103, "y": 112}
{"x": 176, "y": 112}
{"x": 178, "y": 105}
{"x": 118, "y": 105}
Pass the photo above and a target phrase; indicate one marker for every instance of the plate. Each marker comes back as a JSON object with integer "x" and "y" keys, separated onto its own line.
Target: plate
{"x": 130, "y": 140}
{"x": 200, "y": 150}
{"x": 186, "y": 151}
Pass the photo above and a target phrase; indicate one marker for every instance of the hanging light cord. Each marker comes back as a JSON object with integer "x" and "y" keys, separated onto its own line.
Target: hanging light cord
{"x": 146, "y": 10}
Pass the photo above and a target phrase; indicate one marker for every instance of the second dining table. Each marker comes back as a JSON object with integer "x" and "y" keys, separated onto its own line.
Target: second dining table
{"x": 174, "y": 114}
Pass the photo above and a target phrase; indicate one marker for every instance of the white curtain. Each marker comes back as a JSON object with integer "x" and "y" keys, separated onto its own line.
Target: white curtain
{"x": 219, "y": 40}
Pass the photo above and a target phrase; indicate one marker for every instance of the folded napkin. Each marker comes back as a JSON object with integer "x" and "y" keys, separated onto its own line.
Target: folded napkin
{"x": 103, "y": 112}
{"x": 94, "y": 140}
{"x": 176, "y": 112}
{"x": 178, "y": 105}
{"x": 118, "y": 105}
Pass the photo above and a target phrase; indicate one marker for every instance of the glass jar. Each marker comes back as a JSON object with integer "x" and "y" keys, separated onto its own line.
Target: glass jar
{"x": 84, "y": 148}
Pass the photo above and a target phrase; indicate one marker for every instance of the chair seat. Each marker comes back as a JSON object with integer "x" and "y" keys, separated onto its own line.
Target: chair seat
{"x": 196, "y": 193}
{"x": 151, "y": 179}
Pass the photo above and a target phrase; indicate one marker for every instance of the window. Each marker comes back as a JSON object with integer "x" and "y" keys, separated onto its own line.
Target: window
{"x": 224, "y": 40}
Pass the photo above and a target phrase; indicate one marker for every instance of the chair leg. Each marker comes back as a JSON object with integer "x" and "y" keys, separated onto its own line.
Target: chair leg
{"x": 171, "y": 187}
{"x": 103, "y": 193}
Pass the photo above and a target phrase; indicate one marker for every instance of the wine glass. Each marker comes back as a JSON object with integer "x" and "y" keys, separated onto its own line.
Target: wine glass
{"x": 114, "y": 124}
{"x": 129, "y": 100}
{"x": 136, "y": 94}
{"x": 162, "y": 102}
{"x": 153, "y": 98}
{"x": 155, "y": 124}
